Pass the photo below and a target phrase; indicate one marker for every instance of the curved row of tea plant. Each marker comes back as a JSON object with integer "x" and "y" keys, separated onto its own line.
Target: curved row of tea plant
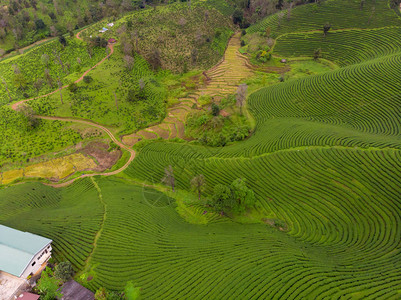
{"x": 70, "y": 217}
{"x": 342, "y": 47}
{"x": 339, "y": 14}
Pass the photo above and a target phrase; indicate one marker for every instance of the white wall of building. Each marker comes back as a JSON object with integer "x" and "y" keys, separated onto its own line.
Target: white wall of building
{"x": 36, "y": 263}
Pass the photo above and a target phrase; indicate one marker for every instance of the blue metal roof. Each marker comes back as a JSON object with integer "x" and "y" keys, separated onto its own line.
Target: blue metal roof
{"x": 17, "y": 248}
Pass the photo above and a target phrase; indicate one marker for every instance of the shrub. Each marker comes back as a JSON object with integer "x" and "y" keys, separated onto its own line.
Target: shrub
{"x": 88, "y": 79}
{"x": 64, "y": 271}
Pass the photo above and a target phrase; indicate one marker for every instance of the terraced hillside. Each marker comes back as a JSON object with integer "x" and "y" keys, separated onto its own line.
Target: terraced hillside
{"x": 324, "y": 163}
{"x": 340, "y": 14}
{"x": 371, "y": 31}
{"x": 221, "y": 80}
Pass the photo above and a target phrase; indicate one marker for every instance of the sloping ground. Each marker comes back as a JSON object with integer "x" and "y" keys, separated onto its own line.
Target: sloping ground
{"x": 344, "y": 47}
{"x": 54, "y": 169}
{"x": 339, "y": 14}
{"x": 222, "y": 80}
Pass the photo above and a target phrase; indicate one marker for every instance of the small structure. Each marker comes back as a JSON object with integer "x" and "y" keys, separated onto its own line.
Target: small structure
{"x": 110, "y": 24}
{"x": 27, "y": 296}
{"x": 22, "y": 253}
{"x": 284, "y": 61}
{"x": 72, "y": 290}
{"x": 112, "y": 41}
{"x": 104, "y": 29}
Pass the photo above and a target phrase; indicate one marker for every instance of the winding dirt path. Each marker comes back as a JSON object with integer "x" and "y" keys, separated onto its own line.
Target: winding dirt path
{"x": 108, "y": 132}
{"x": 224, "y": 73}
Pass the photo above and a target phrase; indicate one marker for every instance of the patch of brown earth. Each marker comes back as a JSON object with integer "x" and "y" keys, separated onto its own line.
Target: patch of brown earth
{"x": 103, "y": 157}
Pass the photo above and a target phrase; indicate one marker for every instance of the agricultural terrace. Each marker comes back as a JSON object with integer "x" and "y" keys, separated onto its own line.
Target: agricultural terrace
{"x": 324, "y": 162}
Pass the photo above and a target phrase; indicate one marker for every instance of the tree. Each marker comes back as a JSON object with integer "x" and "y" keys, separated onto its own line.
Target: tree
{"x": 243, "y": 196}
{"x": 64, "y": 271}
{"x": 29, "y": 114}
{"x": 215, "y": 109}
{"x": 6, "y": 87}
{"x": 129, "y": 62}
{"x": 221, "y": 199}
{"x": 73, "y": 87}
{"x": 317, "y": 53}
{"x": 48, "y": 286}
{"x": 131, "y": 292}
{"x": 238, "y": 16}
{"x": 169, "y": 177}
{"x": 62, "y": 40}
{"x": 20, "y": 81}
{"x": 326, "y": 28}
{"x": 198, "y": 184}
{"x": 87, "y": 79}
{"x": 241, "y": 95}
{"x": 48, "y": 77}
{"x": 40, "y": 24}
{"x": 45, "y": 59}
{"x": 154, "y": 58}
{"x": 38, "y": 84}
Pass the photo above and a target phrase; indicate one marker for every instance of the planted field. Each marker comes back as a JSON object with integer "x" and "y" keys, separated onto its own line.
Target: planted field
{"x": 339, "y": 13}
{"x": 70, "y": 217}
{"x": 337, "y": 244}
{"x": 19, "y": 142}
{"x": 342, "y": 47}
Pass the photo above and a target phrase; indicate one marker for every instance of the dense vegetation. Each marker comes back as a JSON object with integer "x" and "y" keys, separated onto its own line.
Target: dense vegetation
{"x": 307, "y": 207}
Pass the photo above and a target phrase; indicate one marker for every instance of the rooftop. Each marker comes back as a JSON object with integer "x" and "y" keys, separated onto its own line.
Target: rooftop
{"x": 72, "y": 290}
{"x": 17, "y": 248}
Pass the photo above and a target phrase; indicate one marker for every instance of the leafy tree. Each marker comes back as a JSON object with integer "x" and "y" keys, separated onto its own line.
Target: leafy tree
{"x": 169, "y": 178}
{"x": 64, "y": 271}
{"x": 40, "y": 24}
{"x": 241, "y": 95}
{"x": 29, "y": 114}
{"x": 73, "y": 87}
{"x": 62, "y": 40}
{"x": 243, "y": 196}
{"x": 326, "y": 28}
{"x": 87, "y": 79}
{"x": 215, "y": 109}
{"x": 198, "y": 184}
{"x": 317, "y": 53}
{"x": 238, "y": 16}
{"x": 132, "y": 292}
{"x": 221, "y": 199}
{"x": 48, "y": 285}
{"x": 20, "y": 81}
{"x": 45, "y": 59}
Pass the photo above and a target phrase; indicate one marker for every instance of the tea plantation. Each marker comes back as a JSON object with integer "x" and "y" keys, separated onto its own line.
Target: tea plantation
{"x": 323, "y": 160}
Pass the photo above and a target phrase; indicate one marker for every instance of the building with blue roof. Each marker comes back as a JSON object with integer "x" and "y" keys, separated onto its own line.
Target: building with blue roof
{"x": 22, "y": 253}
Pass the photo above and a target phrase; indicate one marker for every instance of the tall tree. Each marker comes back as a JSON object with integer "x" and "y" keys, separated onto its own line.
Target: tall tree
{"x": 241, "y": 95}
{"x": 198, "y": 184}
{"x": 169, "y": 178}
{"x": 6, "y": 87}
